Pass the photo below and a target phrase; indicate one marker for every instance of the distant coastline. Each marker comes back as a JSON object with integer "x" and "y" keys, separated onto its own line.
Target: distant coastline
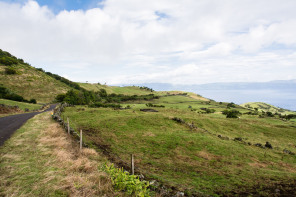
{"x": 278, "y": 93}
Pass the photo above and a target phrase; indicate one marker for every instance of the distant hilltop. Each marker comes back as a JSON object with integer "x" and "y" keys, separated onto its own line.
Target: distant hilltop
{"x": 280, "y": 93}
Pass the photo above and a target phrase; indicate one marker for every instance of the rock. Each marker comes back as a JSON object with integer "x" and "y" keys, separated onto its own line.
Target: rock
{"x": 179, "y": 194}
{"x": 259, "y": 145}
{"x": 238, "y": 139}
{"x": 27, "y": 110}
{"x": 288, "y": 152}
{"x": 268, "y": 145}
{"x": 223, "y": 138}
{"x": 141, "y": 177}
{"x": 179, "y": 120}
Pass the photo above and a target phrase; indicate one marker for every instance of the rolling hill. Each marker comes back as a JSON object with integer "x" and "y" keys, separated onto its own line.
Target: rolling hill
{"x": 182, "y": 142}
{"x": 266, "y": 107}
{"x": 27, "y": 81}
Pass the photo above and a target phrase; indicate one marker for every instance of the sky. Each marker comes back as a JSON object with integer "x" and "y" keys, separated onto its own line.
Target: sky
{"x": 155, "y": 41}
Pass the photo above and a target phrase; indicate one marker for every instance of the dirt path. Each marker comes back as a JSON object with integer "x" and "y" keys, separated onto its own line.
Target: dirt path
{"x": 9, "y": 124}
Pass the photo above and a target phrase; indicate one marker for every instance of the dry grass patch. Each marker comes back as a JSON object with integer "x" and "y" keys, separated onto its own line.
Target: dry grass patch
{"x": 41, "y": 159}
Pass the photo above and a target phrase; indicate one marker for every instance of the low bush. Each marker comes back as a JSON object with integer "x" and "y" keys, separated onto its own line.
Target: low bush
{"x": 123, "y": 181}
{"x": 8, "y": 61}
{"x": 231, "y": 113}
{"x": 10, "y": 71}
{"x": 105, "y": 105}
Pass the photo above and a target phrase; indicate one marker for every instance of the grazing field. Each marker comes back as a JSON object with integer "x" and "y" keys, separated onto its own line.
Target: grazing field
{"x": 23, "y": 106}
{"x": 183, "y": 147}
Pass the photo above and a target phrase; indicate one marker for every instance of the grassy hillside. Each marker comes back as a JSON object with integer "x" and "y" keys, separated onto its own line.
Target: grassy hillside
{"x": 127, "y": 90}
{"x": 197, "y": 152}
{"x": 135, "y": 90}
{"x": 32, "y": 83}
{"x": 23, "y": 106}
{"x": 266, "y": 107}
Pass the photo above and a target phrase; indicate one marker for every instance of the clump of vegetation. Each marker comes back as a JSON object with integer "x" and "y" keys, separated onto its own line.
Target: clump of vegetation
{"x": 231, "y": 113}
{"x": 208, "y": 110}
{"x": 8, "y": 61}
{"x": 7, "y": 94}
{"x": 231, "y": 105}
{"x": 10, "y": 71}
{"x": 151, "y": 105}
{"x": 62, "y": 79}
{"x": 85, "y": 97}
{"x": 123, "y": 181}
{"x": 105, "y": 105}
{"x": 146, "y": 88}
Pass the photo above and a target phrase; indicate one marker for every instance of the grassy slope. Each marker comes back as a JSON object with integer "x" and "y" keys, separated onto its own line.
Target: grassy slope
{"x": 42, "y": 160}
{"x": 31, "y": 83}
{"x": 266, "y": 107}
{"x": 21, "y": 105}
{"x": 134, "y": 90}
{"x": 128, "y": 90}
{"x": 185, "y": 158}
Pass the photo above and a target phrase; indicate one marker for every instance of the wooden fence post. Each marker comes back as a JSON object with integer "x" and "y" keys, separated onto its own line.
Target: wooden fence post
{"x": 80, "y": 139}
{"x": 68, "y": 125}
{"x": 132, "y": 164}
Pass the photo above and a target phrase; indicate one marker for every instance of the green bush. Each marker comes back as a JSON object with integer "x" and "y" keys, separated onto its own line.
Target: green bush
{"x": 106, "y": 105}
{"x": 33, "y": 101}
{"x": 8, "y": 61}
{"x": 231, "y": 113}
{"x": 231, "y": 105}
{"x": 10, "y": 71}
{"x": 123, "y": 181}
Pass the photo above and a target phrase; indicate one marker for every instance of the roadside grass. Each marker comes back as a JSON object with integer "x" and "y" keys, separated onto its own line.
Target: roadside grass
{"x": 21, "y": 105}
{"x": 42, "y": 160}
{"x": 193, "y": 158}
{"x": 31, "y": 83}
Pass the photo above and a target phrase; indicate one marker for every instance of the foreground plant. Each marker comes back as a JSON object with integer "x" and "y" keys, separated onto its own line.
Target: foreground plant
{"x": 123, "y": 181}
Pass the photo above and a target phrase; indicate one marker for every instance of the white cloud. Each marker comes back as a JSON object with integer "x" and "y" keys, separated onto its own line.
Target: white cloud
{"x": 127, "y": 40}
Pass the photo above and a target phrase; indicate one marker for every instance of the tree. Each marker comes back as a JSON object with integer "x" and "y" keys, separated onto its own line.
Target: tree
{"x": 231, "y": 113}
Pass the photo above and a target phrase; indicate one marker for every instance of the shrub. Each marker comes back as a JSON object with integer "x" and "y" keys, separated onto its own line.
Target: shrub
{"x": 8, "y": 61}
{"x": 123, "y": 181}
{"x": 10, "y": 71}
{"x": 105, "y": 105}
{"x": 208, "y": 111}
{"x": 231, "y": 113}
{"x": 33, "y": 101}
{"x": 229, "y": 105}
{"x": 269, "y": 114}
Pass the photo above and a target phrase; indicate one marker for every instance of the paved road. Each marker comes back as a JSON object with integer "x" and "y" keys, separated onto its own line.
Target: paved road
{"x": 9, "y": 124}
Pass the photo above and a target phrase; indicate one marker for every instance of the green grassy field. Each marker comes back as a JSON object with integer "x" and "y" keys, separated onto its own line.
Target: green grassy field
{"x": 21, "y": 105}
{"x": 31, "y": 83}
{"x": 196, "y": 160}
